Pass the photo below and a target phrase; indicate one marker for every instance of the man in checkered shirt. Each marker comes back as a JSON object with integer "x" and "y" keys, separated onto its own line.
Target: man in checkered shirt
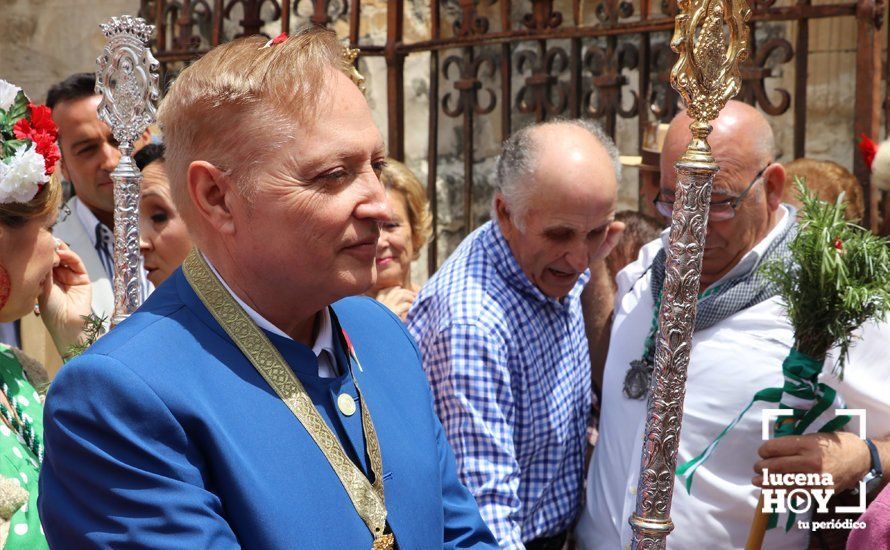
{"x": 502, "y": 335}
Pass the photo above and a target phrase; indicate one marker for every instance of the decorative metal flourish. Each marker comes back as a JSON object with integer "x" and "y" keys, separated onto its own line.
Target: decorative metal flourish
{"x": 468, "y": 85}
{"x": 706, "y": 75}
{"x": 543, "y": 17}
{"x": 252, "y": 22}
{"x": 543, "y": 93}
{"x": 606, "y": 66}
{"x": 470, "y": 22}
{"x": 755, "y": 72}
{"x": 127, "y": 79}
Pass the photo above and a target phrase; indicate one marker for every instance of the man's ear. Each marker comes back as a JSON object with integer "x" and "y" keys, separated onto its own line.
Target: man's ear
{"x": 64, "y": 168}
{"x": 211, "y": 192}
{"x": 504, "y": 216}
{"x": 774, "y": 185}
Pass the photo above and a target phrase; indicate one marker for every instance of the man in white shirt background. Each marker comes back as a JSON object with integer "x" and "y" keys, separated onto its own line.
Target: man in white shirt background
{"x": 89, "y": 155}
{"x": 740, "y": 340}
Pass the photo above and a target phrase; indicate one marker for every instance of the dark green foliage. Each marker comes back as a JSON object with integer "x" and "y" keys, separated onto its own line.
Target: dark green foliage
{"x": 93, "y": 328}
{"x": 839, "y": 278}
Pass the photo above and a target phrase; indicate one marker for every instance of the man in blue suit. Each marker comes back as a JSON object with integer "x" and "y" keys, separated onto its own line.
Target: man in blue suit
{"x": 238, "y": 407}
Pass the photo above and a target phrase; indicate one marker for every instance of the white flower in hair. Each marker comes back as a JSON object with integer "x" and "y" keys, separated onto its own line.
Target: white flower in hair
{"x": 880, "y": 167}
{"x": 21, "y": 178}
{"x": 7, "y": 94}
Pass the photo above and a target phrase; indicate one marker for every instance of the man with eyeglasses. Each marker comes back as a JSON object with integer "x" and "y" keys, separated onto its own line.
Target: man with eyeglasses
{"x": 741, "y": 337}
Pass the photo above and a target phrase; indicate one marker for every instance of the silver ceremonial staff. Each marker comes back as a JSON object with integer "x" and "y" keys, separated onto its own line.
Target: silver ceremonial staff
{"x": 711, "y": 38}
{"x": 127, "y": 80}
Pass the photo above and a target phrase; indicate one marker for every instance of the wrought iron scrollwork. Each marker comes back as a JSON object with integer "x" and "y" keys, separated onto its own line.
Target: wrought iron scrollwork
{"x": 252, "y": 22}
{"x": 755, "y": 72}
{"x": 470, "y": 22}
{"x": 543, "y": 16}
{"x": 606, "y": 67}
{"x": 468, "y": 85}
{"x": 663, "y": 99}
{"x": 543, "y": 93}
{"x": 182, "y": 17}
{"x": 610, "y": 11}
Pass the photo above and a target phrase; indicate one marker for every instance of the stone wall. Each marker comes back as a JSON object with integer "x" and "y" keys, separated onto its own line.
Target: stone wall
{"x": 43, "y": 41}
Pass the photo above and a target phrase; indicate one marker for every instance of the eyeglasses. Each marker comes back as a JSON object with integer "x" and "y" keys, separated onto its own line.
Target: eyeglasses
{"x": 721, "y": 210}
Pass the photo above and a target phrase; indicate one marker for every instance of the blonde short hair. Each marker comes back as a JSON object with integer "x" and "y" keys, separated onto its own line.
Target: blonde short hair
{"x": 398, "y": 177}
{"x": 47, "y": 200}
{"x": 827, "y": 180}
{"x": 239, "y": 105}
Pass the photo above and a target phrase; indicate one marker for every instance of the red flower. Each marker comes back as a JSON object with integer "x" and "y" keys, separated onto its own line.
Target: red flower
{"x": 868, "y": 149}
{"x": 42, "y": 119}
{"x": 279, "y": 39}
{"x": 41, "y": 130}
{"x": 838, "y": 244}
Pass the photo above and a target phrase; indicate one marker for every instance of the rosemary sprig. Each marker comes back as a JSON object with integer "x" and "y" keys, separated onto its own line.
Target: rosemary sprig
{"x": 839, "y": 278}
{"x": 93, "y": 328}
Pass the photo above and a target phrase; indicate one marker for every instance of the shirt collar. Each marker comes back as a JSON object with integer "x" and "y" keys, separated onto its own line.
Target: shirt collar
{"x": 494, "y": 242}
{"x": 752, "y": 259}
{"x": 89, "y": 220}
{"x": 324, "y": 341}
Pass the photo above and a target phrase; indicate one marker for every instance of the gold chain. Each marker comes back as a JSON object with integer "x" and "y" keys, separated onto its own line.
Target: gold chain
{"x": 368, "y": 499}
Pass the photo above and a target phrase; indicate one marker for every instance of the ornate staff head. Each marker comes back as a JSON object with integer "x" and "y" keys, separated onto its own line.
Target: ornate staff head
{"x": 127, "y": 80}
{"x": 711, "y": 37}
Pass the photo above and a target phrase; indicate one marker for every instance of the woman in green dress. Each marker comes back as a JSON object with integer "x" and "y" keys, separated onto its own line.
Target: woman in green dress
{"x": 36, "y": 270}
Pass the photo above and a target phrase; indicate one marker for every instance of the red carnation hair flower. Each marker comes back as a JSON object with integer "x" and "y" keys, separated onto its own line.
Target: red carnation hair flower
{"x": 40, "y": 129}
{"x": 868, "y": 149}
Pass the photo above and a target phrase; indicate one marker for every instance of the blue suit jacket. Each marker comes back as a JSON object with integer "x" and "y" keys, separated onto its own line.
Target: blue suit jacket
{"x": 163, "y": 435}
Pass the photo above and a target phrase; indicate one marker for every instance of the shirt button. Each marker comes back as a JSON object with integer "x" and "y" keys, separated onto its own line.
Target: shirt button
{"x": 633, "y": 490}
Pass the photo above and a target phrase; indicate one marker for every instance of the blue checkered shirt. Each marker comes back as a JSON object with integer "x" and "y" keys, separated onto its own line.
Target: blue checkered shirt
{"x": 510, "y": 371}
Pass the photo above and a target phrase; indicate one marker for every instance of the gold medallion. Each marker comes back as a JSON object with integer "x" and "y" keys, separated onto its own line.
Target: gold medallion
{"x": 346, "y": 404}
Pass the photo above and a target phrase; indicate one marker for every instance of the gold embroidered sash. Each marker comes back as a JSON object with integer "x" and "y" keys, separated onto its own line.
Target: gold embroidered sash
{"x": 367, "y": 498}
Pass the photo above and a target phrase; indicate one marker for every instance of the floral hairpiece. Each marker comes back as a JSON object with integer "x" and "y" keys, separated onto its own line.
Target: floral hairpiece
{"x": 28, "y": 149}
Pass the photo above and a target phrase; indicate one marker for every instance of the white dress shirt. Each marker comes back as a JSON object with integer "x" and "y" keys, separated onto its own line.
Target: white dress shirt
{"x": 96, "y": 230}
{"x": 323, "y": 348}
{"x": 866, "y": 383}
{"x": 729, "y": 362}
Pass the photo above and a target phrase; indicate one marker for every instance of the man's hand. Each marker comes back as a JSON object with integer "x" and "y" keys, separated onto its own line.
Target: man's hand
{"x": 841, "y": 454}
{"x": 613, "y": 235}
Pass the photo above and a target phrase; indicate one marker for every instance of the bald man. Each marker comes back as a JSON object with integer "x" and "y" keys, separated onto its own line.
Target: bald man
{"x": 502, "y": 335}
{"x": 741, "y": 338}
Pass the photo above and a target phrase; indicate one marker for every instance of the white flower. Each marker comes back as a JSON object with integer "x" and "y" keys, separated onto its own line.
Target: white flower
{"x": 880, "y": 167}
{"x": 21, "y": 177}
{"x": 7, "y": 94}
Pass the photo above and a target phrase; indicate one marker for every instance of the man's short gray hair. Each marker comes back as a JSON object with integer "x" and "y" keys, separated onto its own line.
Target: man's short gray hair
{"x": 518, "y": 160}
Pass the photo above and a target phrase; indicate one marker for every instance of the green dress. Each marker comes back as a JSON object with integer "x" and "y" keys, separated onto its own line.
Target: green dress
{"x": 17, "y": 462}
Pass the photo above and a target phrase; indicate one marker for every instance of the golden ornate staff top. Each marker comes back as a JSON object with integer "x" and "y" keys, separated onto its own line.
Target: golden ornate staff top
{"x": 711, "y": 37}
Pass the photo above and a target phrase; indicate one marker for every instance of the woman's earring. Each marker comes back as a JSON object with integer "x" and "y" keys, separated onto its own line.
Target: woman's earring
{"x": 37, "y": 310}
{"x": 4, "y": 286}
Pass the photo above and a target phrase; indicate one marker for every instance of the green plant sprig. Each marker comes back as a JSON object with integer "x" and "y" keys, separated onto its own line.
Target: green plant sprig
{"x": 93, "y": 328}
{"x": 838, "y": 279}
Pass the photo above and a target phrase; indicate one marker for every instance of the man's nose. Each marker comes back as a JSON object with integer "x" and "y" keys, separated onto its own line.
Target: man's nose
{"x": 111, "y": 156}
{"x": 578, "y": 257}
{"x": 373, "y": 204}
